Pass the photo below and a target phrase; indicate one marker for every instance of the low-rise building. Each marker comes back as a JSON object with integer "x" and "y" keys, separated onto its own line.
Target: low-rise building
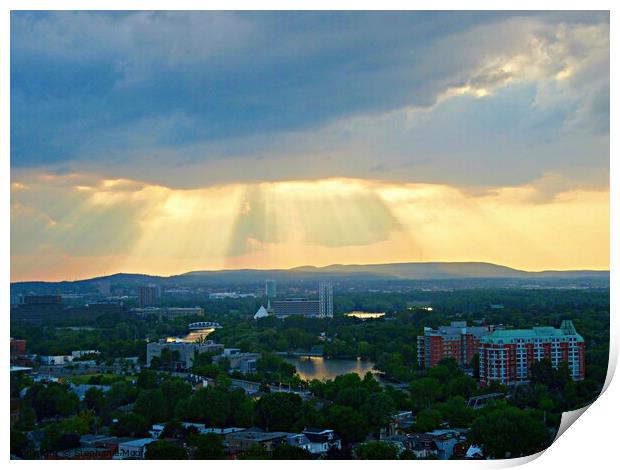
{"x": 220, "y": 431}
{"x": 321, "y": 440}
{"x": 243, "y": 440}
{"x": 444, "y": 440}
{"x": 186, "y": 351}
{"x": 169, "y": 312}
{"x": 89, "y": 352}
{"x": 55, "y": 360}
{"x": 399, "y": 422}
{"x": 134, "y": 449}
{"x": 156, "y": 430}
{"x": 242, "y": 362}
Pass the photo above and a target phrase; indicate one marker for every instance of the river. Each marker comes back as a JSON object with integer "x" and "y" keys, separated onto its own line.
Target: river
{"x": 308, "y": 368}
{"x": 320, "y": 368}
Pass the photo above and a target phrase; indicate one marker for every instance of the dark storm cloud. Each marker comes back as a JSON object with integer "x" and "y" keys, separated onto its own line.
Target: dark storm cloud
{"x": 184, "y": 88}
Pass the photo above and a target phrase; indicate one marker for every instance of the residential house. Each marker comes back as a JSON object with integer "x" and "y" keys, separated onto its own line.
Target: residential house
{"x": 445, "y": 440}
{"x": 242, "y": 441}
{"x": 134, "y": 449}
{"x": 321, "y": 440}
{"x": 398, "y": 424}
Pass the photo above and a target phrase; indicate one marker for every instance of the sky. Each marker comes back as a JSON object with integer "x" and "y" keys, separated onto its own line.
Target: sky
{"x": 165, "y": 142}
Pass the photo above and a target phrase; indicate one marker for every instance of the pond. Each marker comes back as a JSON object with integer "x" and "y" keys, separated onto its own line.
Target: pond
{"x": 320, "y": 368}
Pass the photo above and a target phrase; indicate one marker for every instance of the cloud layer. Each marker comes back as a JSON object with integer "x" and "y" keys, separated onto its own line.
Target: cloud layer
{"x": 168, "y": 141}
{"x": 467, "y": 98}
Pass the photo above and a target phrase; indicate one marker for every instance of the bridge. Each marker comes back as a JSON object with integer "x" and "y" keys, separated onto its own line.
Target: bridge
{"x": 299, "y": 354}
{"x": 479, "y": 401}
{"x": 247, "y": 385}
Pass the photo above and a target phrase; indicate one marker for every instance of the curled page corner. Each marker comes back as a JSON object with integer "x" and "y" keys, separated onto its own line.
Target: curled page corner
{"x": 568, "y": 418}
{"x": 516, "y": 462}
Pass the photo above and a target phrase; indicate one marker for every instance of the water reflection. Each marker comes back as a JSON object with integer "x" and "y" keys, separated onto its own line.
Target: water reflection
{"x": 365, "y": 315}
{"x": 320, "y": 368}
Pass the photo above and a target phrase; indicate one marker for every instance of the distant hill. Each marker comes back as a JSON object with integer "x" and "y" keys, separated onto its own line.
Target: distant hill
{"x": 400, "y": 271}
{"x": 413, "y": 271}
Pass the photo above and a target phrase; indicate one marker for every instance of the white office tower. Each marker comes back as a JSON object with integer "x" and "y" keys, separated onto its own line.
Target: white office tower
{"x": 326, "y": 300}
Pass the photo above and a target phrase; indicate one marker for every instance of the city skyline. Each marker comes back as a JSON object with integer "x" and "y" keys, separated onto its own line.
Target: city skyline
{"x": 162, "y": 143}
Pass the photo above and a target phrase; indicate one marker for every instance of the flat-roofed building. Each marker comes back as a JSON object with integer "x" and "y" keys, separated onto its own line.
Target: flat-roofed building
{"x": 243, "y": 440}
{"x": 169, "y": 312}
{"x": 186, "y": 350}
{"x": 148, "y": 295}
{"x": 38, "y": 309}
{"x": 295, "y": 307}
{"x": 458, "y": 341}
{"x": 506, "y": 356}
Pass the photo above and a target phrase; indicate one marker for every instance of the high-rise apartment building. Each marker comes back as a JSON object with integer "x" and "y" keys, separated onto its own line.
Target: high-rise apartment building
{"x": 270, "y": 288}
{"x": 326, "y": 300}
{"x": 148, "y": 295}
{"x": 507, "y": 355}
{"x": 458, "y": 341}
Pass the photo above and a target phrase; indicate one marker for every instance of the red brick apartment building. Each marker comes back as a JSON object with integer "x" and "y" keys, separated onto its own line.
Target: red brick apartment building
{"x": 457, "y": 341}
{"x": 506, "y": 355}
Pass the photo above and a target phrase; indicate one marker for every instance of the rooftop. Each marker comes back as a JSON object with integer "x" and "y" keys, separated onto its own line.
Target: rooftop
{"x": 139, "y": 442}
{"x": 567, "y": 329}
{"x": 258, "y": 436}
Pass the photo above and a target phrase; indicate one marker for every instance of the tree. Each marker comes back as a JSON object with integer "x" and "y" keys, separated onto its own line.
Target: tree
{"x": 376, "y": 450}
{"x": 19, "y": 443}
{"x": 121, "y": 393}
{"x": 55, "y": 439}
{"x": 347, "y": 422}
{"x": 80, "y": 424}
{"x": 147, "y": 379}
{"x": 424, "y": 391}
{"x": 286, "y": 452}
{"x": 456, "y": 411}
{"x": 378, "y": 408}
{"x": 407, "y": 455}
{"x": 508, "y": 432}
{"x": 427, "y": 420}
{"x": 278, "y": 411}
{"x": 165, "y": 450}
{"x": 130, "y": 424}
{"x": 462, "y": 385}
{"x": 52, "y": 400}
{"x": 152, "y": 404}
{"x": 255, "y": 452}
{"x": 175, "y": 389}
{"x": 543, "y": 372}
{"x": 94, "y": 399}
{"x": 208, "y": 446}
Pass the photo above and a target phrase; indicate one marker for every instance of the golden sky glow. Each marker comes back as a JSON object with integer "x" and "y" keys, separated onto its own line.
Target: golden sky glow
{"x": 77, "y": 226}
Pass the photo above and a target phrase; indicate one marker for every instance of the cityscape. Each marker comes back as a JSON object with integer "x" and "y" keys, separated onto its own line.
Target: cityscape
{"x": 122, "y": 371}
{"x": 306, "y": 235}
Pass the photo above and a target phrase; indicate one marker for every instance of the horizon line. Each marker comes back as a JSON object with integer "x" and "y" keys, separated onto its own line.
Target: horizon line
{"x": 313, "y": 267}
